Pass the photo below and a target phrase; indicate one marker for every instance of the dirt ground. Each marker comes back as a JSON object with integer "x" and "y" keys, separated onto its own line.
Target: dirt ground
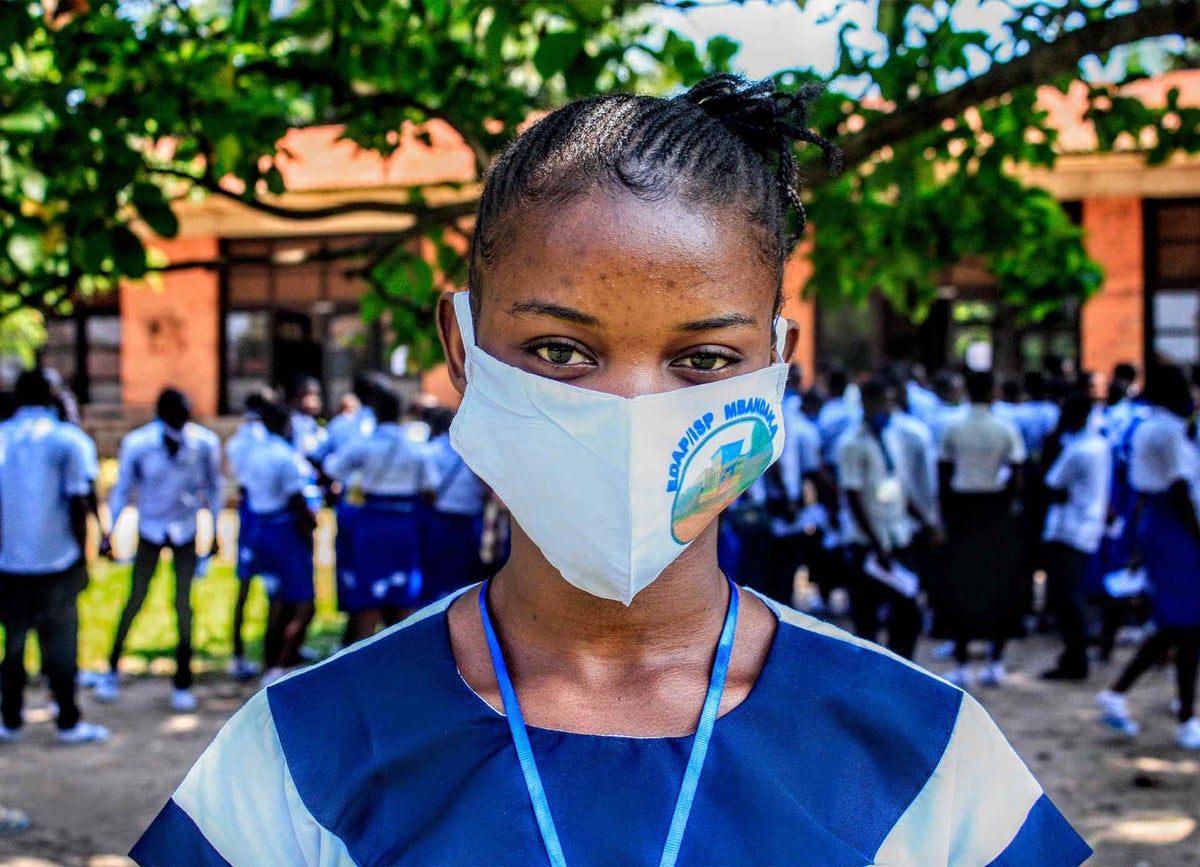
{"x": 1137, "y": 803}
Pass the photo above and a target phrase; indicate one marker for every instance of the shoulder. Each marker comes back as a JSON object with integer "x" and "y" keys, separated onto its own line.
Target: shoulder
{"x": 945, "y": 785}
{"x": 203, "y": 436}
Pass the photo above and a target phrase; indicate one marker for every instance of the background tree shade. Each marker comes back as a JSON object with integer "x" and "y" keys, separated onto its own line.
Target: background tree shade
{"x": 111, "y": 111}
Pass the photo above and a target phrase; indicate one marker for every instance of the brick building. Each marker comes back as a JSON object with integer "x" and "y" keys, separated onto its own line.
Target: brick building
{"x": 265, "y": 296}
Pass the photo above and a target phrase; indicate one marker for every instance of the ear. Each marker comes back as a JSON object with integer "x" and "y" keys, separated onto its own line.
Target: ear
{"x": 452, "y": 342}
{"x": 791, "y": 341}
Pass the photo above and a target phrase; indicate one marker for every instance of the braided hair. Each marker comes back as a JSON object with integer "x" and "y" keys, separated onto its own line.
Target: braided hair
{"x": 726, "y": 142}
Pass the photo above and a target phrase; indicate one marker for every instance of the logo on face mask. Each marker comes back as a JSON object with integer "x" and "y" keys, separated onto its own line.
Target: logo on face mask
{"x": 720, "y": 467}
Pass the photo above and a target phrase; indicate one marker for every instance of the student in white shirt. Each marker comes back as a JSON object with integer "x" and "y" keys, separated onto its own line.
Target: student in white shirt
{"x": 43, "y": 530}
{"x": 1077, "y": 489}
{"x": 876, "y": 519}
{"x": 276, "y": 477}
{"x": 172, "y": 467}
{"x": 250, "y": 434}
{"x": 386, "y": 580}
{"x": 1165, "y": 471}
{"x": 981, "y": 594}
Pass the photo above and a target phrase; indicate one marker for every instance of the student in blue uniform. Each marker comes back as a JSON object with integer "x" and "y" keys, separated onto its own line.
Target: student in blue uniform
{"x": 386, "y": 552}
{"x": 172, "y": 469}
{"x": 609, "y": 697}
{"x": 1165, "y": 471}
{"x": 43, "y": 533}
{"x": 1077, "y": 487}
{"x": 250, "y": 434}
{"x": 452, "y": 524}
{"x": 353, "y": 424}
{"x": 275, "y": 479}
{"x": 304, "y": 399}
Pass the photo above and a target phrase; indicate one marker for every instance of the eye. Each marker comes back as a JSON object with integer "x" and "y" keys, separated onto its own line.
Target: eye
{"x": 560, "y": 354}
{"x": 708, "y": 362}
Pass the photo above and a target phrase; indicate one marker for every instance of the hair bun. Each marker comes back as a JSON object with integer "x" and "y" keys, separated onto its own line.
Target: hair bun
{"x": 768, "y": 120}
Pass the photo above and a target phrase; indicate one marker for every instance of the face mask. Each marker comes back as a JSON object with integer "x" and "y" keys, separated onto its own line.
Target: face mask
{"x": 612, "y": 489}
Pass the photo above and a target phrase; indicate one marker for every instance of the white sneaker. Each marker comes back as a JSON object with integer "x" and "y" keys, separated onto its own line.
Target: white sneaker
{"x": 182, "y": 701}
{"x": 960, "y": 677}
{"x": 9, "y": 736}
{"x": 83, "y": 733}
{"x": 240, "y": 669}
{"x": 993, "y": 674}
{"x": 1188, "y": 734}
{"x": 271, "y": 675}
{"x": 1115, "y": 713}
{"x": 108, "y": 688}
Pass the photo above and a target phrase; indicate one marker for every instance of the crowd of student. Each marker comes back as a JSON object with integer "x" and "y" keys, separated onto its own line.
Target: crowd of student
{"x": 938, "y": 506}
{"x": 935, "y": 508}
{"x": 409, "y": 525}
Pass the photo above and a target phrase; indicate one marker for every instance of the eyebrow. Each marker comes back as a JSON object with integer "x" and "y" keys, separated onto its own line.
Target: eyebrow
{"x": 725, "y": 320}
{"x": 557, "y": 311}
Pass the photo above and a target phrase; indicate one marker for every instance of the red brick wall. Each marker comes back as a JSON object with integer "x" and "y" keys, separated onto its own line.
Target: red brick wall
{"x": 802, "y": 310}
{"x": 169, "y": 335}
{"x": 1112, "y": 323}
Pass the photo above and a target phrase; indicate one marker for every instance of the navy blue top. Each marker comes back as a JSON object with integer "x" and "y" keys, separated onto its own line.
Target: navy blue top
{"x": 841, "y": 754}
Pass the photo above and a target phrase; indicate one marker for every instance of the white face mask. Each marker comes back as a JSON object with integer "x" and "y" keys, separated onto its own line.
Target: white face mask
{"x": 613, "y": 489}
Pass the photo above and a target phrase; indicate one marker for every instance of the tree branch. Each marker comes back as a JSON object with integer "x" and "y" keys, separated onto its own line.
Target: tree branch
{"x": 1042, "y": 63}
{"x": 423, "y": 213}
{"x": 307, "y": 74}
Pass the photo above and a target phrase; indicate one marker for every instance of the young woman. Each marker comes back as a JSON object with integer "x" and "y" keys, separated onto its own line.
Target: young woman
{"x": 1165, "y": 472}
{"x": 609, "y": 696}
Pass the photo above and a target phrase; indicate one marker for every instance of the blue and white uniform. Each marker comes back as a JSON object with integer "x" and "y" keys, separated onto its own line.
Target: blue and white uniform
{"x": 384, "y": 541}
{"x": 274, "y": 472}
{"x": 836, "y": 417}
{"x": 1161, "y": 455}
{"x": 170, "y": 489}
{"x": 842, "y": 754}
{"x": 307, "y": 434}
{"x": 250, "y": 434}
{"x": 452, "y": 529}
{"x": 344, "y": 431}
{"x": 43, "y": 466}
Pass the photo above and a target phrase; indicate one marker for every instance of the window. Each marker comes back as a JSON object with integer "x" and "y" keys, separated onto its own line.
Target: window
{"x": 291, "y": 308}
{"x": 1173, "y": 281}
{"x": 85, "y": 348}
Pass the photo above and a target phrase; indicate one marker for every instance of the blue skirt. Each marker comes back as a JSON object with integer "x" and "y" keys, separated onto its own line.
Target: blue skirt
{"x": 386, "y": 554}
{"x": 246, "y": 568}
{"x": 343, "y": 554}
{"x": 449, "y": 553}
{"x": 283, "y": 556}
{"x": 1172, "y": 559}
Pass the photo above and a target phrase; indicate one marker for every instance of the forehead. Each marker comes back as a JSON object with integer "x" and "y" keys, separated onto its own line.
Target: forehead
{"x": 616, "y": 250}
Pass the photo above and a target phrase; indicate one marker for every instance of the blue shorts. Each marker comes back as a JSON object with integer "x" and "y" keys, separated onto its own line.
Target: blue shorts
{"x": 385, "y": 551}
{"x": 283, "y": 556}
{"x": 246, "y": 569}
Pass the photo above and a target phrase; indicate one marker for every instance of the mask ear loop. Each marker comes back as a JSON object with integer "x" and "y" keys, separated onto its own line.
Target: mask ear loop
{"x": 781, "y": 330}
{"x": 466, "y": 326}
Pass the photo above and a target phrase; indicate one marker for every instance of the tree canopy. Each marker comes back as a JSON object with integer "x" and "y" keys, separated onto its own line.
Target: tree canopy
{"x": 111, "y": 110}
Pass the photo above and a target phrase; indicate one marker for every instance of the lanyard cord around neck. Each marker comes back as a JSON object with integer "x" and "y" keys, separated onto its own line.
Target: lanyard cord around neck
{"x": 695, "y": 765}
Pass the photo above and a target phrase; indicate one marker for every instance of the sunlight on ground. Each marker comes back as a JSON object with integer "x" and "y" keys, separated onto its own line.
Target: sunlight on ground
{"x": 1152, "y": 765}
{"x": 1158, "y": 828}
{"x": 180, "y": 723}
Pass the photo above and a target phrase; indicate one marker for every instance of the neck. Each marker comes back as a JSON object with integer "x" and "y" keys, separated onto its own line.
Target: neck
{"x": 683, "y": 608}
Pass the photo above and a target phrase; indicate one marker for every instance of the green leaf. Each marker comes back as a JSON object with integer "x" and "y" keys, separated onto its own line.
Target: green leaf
{"x": 556, "y": 51}
{"x": 25, "y": 251}
{"x": 129, "y": 257}
{"x": 153, "y": 207}
{"x": 373, "y": 307}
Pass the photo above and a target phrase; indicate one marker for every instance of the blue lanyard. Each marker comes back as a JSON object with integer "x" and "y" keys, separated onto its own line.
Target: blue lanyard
{"x": 691, "y": 777}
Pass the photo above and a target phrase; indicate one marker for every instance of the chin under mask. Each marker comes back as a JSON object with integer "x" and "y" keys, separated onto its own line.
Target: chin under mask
{"x": 612, "y": 489}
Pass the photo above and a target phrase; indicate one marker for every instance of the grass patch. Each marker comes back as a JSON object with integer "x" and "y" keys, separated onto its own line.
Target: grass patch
{"x": 151, "y": 644}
